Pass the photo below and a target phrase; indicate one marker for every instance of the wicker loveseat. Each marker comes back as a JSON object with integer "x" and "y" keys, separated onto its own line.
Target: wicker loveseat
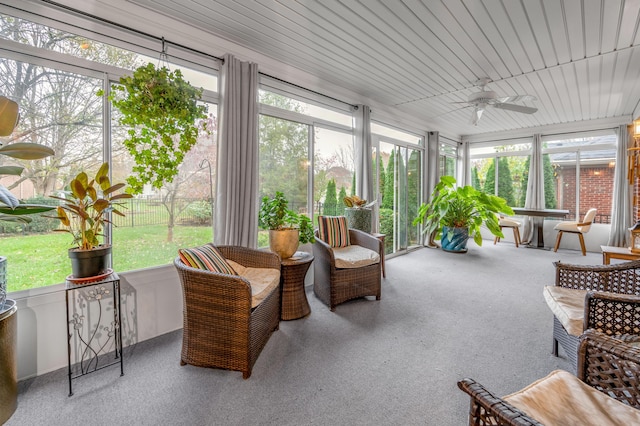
{"x": 605, "y": 312}
{"x": 606, "y": 389}
{"x": 334, "y": 284}
{"x": 221, "y": 328}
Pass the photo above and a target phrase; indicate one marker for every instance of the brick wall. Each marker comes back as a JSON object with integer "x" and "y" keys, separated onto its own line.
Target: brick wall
{"x": 596, "y": 190}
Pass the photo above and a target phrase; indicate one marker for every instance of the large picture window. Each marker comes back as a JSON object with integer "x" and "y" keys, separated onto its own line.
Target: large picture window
{"x": 59, "y": 108}
{"x": 583, "y": 169}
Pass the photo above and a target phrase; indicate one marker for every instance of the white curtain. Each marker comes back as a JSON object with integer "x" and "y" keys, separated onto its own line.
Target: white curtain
{"x": 363, "y": 158}
{"x": 237, "y": 171}
{"x": 364, "y": 174}
{"x": 622, "y": 208}
{"x": 535, "y": 187}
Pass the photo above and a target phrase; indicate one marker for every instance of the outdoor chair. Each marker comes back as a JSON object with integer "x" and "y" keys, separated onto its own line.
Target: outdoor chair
{"x": 603, "y": 297}
{"x": 505, "y": 222}
{"x": 228, "y": 316}
{"x": 347, "y": 262}
{"x": 579, "y": 228}
{"x": 606, "y": 391}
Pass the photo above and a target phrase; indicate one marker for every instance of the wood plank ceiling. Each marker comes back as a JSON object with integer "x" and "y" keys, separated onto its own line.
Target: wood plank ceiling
{"x": 579, "y": 58}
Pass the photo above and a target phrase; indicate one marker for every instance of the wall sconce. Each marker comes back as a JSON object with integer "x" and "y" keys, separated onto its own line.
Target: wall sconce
{"x": 635, "y": 238}
{"x": 633, "y": 159}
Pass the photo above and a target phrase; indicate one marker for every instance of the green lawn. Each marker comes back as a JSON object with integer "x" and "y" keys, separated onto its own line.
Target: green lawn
{"x": 41, "y": 259}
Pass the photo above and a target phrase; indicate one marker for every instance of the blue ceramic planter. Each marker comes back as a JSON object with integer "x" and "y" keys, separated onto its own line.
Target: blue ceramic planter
{"x": 458, "y": 242}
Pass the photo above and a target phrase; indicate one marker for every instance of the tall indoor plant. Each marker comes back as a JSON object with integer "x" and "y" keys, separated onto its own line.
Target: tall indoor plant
{"x": 457, "y": 214}
{"x": 286, "y": 227}
{"x": 82, "y": 213}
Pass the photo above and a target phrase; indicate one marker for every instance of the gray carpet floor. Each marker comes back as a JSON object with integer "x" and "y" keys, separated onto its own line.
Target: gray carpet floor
{"x": 442, "y": 317}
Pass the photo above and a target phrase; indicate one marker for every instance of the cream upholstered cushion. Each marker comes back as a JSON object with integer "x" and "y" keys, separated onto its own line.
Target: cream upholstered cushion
{"x": 236, "y": 266}
{"x": 567, "y": 305}
{"x": 563, "y": 399}
{"x": 354, "y": 256}
{"x": 508, "y": 223}
{"x": 262, "y": 280}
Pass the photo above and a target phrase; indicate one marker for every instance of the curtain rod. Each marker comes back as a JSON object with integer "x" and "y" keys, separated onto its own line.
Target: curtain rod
{"x": 124, "y": 27}
{"x": 355, "y": 107}
{"x": 162, "y": 39}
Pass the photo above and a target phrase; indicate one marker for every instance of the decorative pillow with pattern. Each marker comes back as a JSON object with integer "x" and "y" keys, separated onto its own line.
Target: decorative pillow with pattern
{"x": 333, "y": 230}
{"x": 206, "y": 257}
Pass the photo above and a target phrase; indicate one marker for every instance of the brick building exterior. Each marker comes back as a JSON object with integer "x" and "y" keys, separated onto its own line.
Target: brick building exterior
{"x": 596, "y": 190}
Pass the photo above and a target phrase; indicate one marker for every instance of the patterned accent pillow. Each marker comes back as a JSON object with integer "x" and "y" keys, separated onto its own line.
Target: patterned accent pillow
{"x": 206, "y": 257}
{"x": 333, "y": 230}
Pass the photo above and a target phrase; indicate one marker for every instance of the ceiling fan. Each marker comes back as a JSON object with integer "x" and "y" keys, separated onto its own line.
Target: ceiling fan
{"x": 487, "y": 98}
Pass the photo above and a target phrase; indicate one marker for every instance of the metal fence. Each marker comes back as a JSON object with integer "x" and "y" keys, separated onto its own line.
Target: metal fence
{"x": 140, "y": 212}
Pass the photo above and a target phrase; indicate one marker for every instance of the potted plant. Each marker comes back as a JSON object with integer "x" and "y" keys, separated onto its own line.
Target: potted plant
{"x": 358, "y": 213}
{"x": 456, "y": 214}
{"x": 162, "y": 111}
{"x": 286, "y": 228}
{"x": 82, "y": 213}
{"x": 12, "y": 210}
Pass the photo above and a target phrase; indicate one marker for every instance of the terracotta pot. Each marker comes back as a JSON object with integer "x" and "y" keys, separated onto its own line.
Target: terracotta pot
{"x": 284, "y": 242}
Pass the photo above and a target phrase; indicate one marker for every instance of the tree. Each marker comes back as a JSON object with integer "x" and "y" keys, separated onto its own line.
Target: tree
{"x": 505, "y": 183}
{"x": 58, "y": 109}
{"x": 283, "y": 153}
{"x": 382, "y": 178}
{"x": 550, "y": 200}
{"x": 389, "y": 183}
{"x": 192, "y": 181}
{"x": 330, "y": 199}
{"x": 475, "y": 180}
{"x": 342, "y": 195}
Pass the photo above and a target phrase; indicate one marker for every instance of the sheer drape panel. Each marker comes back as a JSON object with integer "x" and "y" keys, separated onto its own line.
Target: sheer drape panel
{"x": 364, "y": 177}
{"x": 621, "y": 210}
{"x": 237, "y": 181}
{"x": 535, "y": 187}
{"x": 363, "y": 151}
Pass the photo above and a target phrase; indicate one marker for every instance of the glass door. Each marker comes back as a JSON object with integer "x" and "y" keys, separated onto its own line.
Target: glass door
{"x": 399, "y": 170}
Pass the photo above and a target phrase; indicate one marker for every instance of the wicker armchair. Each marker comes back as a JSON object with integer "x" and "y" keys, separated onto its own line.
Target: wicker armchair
{"x": 600, "y": 309}
{"x": 606, "y": 364}
{"x": 221, "y": 329}
{"x": 336, "y": 285}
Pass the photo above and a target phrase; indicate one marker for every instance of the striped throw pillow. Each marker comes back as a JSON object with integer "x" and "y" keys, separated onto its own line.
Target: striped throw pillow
{"x": 333, "y": 230}
{"x": 206, "y": 257}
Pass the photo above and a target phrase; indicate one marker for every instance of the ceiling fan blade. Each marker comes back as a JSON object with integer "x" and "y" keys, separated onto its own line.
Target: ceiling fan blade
{"x": 476, "y": 114}
{"x": 449, "y": 112}
{"x": 517, "y": 98}
{"x": 516, "y": 108}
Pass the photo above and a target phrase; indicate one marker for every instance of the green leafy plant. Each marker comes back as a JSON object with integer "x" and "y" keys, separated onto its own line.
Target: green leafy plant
{"x": 12, "y": 209}
{"x": 275, "y": 215}
{"x": 161, "y": 109}
{"x": 462, "y": 207}
{"x": 83, "y": 209}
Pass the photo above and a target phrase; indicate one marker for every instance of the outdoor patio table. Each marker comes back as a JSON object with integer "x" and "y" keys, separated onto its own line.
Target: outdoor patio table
{"x": 539, "y": 215}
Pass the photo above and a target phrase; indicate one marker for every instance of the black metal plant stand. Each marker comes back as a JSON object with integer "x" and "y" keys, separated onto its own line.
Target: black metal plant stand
{"x": 95, "y": 335}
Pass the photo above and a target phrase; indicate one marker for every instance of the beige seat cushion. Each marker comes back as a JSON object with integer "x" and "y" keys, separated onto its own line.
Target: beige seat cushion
{"x": 568, "y": 306}
{"x": 262, "y": 280}
{"x": 568, "y": 227}
{"x": 508, "y": 223}
{"x": 562, "y": 399}
{"x": 354, "y": 256}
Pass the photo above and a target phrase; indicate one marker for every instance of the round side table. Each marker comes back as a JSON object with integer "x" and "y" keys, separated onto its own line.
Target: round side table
{"x": 294, "y": 299}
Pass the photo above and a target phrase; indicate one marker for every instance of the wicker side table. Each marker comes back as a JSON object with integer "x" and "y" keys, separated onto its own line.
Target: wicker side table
{"x": 294, "y": 299}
